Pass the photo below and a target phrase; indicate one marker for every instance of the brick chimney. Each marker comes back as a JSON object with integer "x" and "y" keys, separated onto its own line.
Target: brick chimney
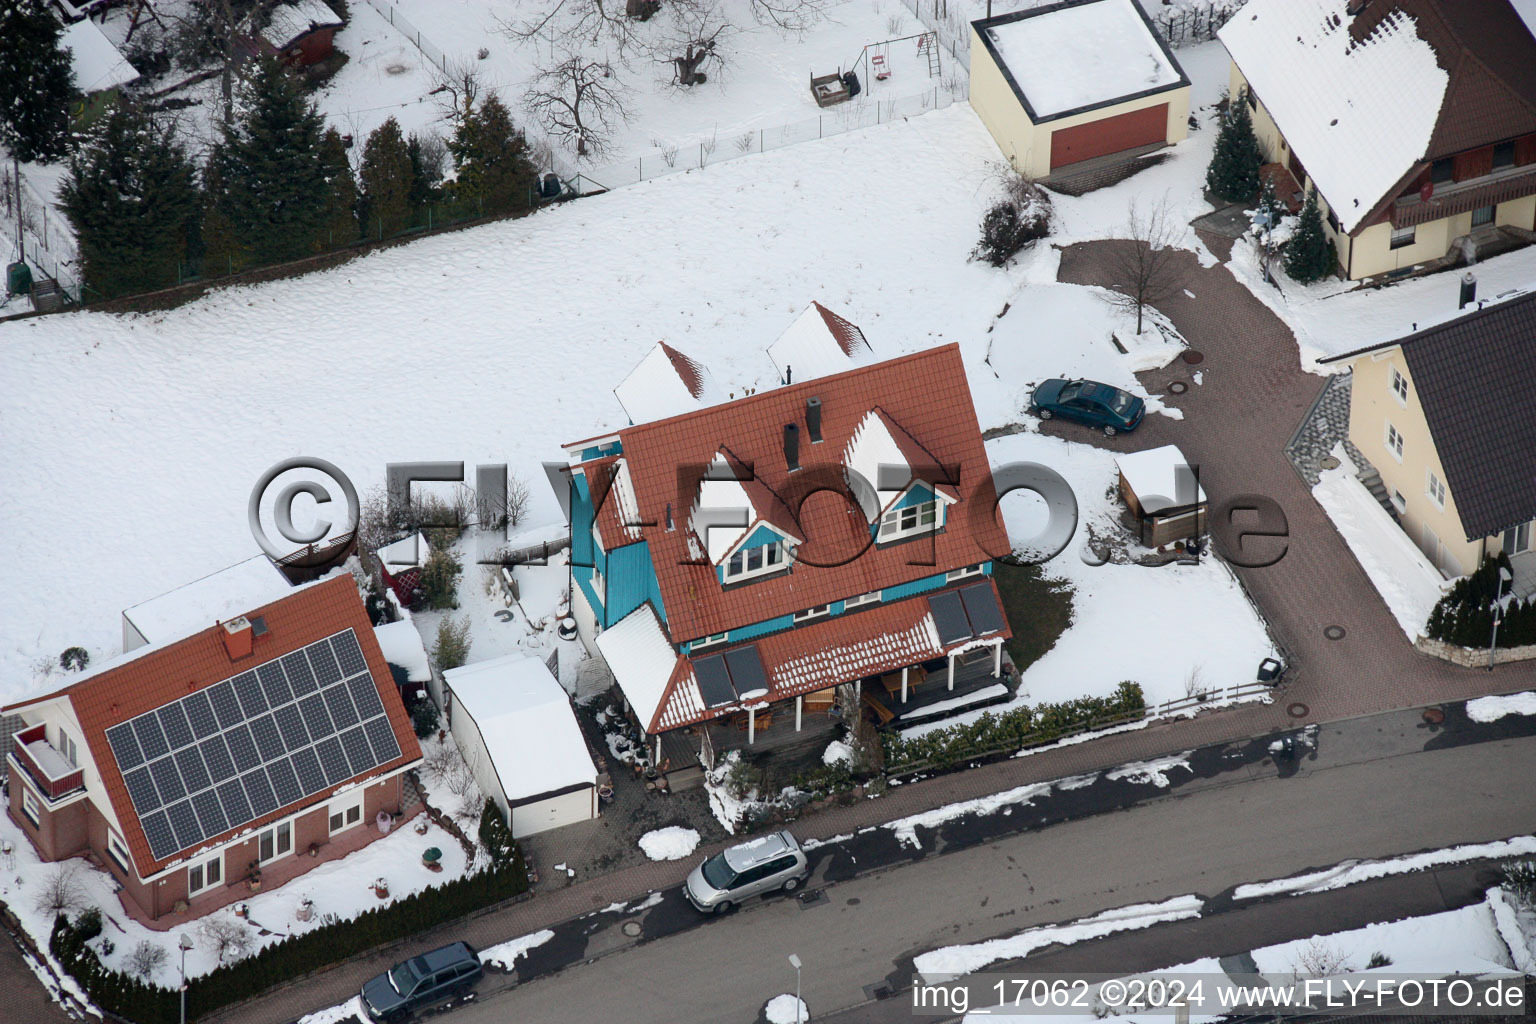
{"x": 239, "y": 638}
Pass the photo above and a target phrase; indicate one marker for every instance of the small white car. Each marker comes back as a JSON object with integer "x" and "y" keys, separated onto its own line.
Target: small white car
{"x": 768, "y": 863}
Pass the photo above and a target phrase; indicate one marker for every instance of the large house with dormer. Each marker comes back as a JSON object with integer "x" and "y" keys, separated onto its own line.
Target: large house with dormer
{"x": 1414, "y": 121}
{"x": 738, "y": 563}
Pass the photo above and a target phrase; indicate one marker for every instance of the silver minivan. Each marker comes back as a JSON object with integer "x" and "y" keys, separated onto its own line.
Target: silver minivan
{"x": 770, "y": 862}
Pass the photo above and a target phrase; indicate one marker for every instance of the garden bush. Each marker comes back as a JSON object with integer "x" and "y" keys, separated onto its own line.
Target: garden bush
{"x": 1021, "y": 217}
{"x": 1464, "y": 616}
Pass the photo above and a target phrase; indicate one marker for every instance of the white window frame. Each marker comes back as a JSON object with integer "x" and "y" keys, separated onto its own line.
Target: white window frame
{"x": 1399, "y": 385}
{"x": 275, "y": 831}
{"x": 344, "y": 809}
{"x": 30, "y": 808}
{"x": 1509, "y": 540}
{"x": 209, "y": 873}
{"x": 597, "y": 537}
{"x": 599, "y": 585}
{"x": 1393, "y": 439}
{"x": 820, "y": 611}
{"x": 118, "y": 851}
{"x": 1402, "y": 238}
{"x": 894, "y": 525}
{"x": 1435, "y": 488}
{"x": 1399, "y": 502}
{"x": 962, "y": 572}
{"x": 856, "y": 602}
{"x": 709, "y": 641}
{"x": 774, "y": 557}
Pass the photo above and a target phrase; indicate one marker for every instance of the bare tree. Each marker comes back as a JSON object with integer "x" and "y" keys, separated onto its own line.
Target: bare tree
{"x": 588, "y": 21}
{"x": 146, "y": 959}
{"x": 1145, "y": 267}
{"x": 60, "y": 892}
{"x": 789, "y": 15}
{"x": 221, "y": 27}
{"x": 226, "y": 937}
{"x": 694, "y": 43}
{"x": 579, "y": 101}
{"x": 457, "y": 87}
{"x": 1319, "y": 958}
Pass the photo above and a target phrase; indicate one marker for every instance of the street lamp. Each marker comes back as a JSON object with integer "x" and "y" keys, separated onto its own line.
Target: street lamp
{"x": 185, "y": 944}
{"x": 1498, "y": 613}
{"x": 794, "y": 961}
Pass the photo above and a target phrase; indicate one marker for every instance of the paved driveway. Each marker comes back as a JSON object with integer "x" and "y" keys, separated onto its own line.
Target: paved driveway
{"x": 1236, "y": 425}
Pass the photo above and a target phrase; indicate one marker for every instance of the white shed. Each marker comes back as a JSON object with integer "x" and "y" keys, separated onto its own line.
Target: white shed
{"x": 516, "y": 729}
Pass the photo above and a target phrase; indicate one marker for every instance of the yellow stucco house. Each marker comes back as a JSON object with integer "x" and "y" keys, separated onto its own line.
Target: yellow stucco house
{"x": 1444, "y": 415}
{"x": 1414, "y": 120}
{"x": 1070, "y": 82}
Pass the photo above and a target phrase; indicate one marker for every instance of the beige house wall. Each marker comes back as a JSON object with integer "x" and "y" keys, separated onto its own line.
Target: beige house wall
{"x": 1370, "y": 252}
{"x": 1027, "y": 145}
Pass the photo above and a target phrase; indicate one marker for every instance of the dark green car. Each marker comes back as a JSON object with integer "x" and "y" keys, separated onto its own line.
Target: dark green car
{"x": 1098, "y": 405}
{"x": 442, "y": 974}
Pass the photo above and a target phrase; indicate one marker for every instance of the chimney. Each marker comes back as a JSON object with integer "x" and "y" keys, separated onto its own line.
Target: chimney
{"x": 789, "y": 374}
{"x": 1354, "y": 7}
{"x": 670, "y": 527}
{"x": 238, "y": 638}
{"x": 813, "y": 419}
{"x": 792, "y": 446}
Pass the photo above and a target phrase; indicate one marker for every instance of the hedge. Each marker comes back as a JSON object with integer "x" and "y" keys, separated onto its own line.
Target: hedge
{"x": 282, "y": 962}
{"x": 1013, "y": 729}
{"x": 1464, "y": 616}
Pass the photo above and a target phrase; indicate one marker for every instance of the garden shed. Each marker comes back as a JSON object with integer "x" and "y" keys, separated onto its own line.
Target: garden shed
{"x": 300, "y": 32}
{"x": 1163, "y": 492}
{"x": 1075, "y": 81}
{"x": 100, "y": 68}
{"x": 515, "y": 726}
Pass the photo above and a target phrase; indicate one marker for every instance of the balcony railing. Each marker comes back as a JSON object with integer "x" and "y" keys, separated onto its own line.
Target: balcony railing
{"x": 51, "y": 770}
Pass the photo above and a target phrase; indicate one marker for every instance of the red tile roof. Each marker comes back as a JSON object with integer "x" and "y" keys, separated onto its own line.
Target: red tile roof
{"x": 845, "y": 332}
{"x": 925, "y": 393}
{"x": 163, "y": 674}
{"x": 692, "y": 373}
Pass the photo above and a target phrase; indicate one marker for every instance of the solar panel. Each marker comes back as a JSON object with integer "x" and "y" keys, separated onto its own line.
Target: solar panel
{"x": 381, "y": 737}
{"x": 714, "y": 681}
{"x": 174, "y": 721}
{"x": 949, "y": 617}
{"x": 193, "y": 773}
{"x": 340, "y": 705}
{"x": 981, "y": 607}
{"x": 157, "y": 829}
{"x": 215, "y": 760}
{"x": 307, "y": 763}
{"x": 273, "y": 684}
{"x": 746, "y": 669}
{"x": 200, "y": 714}
{"x": 216, "y": 756}
{"x": 332, "y": 761}
{"x": 124, "y": 747}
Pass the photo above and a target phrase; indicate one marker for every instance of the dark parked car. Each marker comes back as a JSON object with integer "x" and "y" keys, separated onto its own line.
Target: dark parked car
{"x": 1098, "y": 405}
{"x": 422, "y": 980}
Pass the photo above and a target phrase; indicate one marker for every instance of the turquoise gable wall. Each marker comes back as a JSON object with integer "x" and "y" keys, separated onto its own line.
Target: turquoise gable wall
{"x": 628, "y": 575}
{"x": 916, "y": 495}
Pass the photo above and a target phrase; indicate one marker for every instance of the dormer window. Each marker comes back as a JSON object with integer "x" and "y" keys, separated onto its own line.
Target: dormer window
{"x": 909, "y": 521}
{"x": 755, "y": 561}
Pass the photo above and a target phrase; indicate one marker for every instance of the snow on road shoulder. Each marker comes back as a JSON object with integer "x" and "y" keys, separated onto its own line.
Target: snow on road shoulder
{"x": 906, "y": 828}
{"x": 1491, "y": 709}
{"x": 342, "y": 1013}
{"x": 671, "y": 843}
{"x": 1155, "y": 772}
{"x": 1350, "y": 872}
{"x": 505, "y": 954}
{"x": 786, "y": 1009}
{"x": 953, "y": 960}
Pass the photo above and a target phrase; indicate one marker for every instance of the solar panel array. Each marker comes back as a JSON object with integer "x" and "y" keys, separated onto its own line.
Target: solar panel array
{"x": 967, "y": 612}
{"x": 228, "y": 754}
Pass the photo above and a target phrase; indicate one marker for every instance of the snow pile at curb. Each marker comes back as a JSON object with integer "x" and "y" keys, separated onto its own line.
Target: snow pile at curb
{"x": 351, "y": 1010}
{"x": 505, "y": 954}
{"x": 906, "y": 828}
{"x": 1155, "y": 772}
{"x": 954, "y": 960}
{"x": 1506, "y": 917}
{"x": 671, "y": 843}
{"x": 1491, "y": 709}
{"x": 1351, "y": 871}
{"x": 786, "y": 1009}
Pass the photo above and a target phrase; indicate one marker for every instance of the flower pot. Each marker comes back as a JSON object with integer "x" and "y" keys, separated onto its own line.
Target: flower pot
{"x": 306, "y": 910}
{"x": 421, "y": 827}
{"x": 242, "y": 910}
{"x": 381, "y": 888}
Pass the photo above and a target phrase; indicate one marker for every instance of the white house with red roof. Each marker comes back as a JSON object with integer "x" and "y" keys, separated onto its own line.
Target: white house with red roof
{"x": 736, "y": 564}
{"x": 199, "y": 766}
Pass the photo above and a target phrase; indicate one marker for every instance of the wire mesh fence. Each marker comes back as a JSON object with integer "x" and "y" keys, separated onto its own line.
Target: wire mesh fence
{"x": 1195, "y": 23}
{"x": 950, "y": 22}
{"x": 47, "y": 244}
{"x": 404, "y": 26}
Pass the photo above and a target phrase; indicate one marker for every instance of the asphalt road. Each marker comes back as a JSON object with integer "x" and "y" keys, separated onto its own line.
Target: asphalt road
{"x": 1259, "y": 821}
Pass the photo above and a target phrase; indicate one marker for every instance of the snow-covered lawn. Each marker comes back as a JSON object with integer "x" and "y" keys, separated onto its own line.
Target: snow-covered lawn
{"x": 671, "y": 843}
{"x": 1404, "y": 578}
{"x": 1464, "y": 941}
{"x": 1491, "y": 709}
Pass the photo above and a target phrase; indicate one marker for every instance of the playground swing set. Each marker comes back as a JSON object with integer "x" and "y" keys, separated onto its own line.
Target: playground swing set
{"x": 844, "y": 85}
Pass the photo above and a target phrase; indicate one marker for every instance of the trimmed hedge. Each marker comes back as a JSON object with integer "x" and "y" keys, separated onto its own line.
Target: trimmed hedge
{"x": 1464, "y": 616}
{"x": 282, "y": 962}
{"x": 1013, "y": 729}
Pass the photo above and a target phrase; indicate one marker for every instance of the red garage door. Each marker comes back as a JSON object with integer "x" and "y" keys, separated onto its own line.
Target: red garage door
{"x": 1110, "y": 135}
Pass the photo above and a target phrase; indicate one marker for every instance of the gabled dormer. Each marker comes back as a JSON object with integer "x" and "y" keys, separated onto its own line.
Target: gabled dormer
{"x": 899, "y": 485}
{"x": 740, "y": 526}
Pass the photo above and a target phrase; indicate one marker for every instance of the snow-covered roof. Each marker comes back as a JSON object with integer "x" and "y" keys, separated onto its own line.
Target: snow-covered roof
{"x": 402, "y": 646}
{"x": 641, "y": 659}
{"x": 720, "y": 493}
{"x": 818, "y": 344}
{"x": 665, "y": 383}
{"x": 97, "y": 63}
{"x": 1527, "y": 11}
{"x": 1067, "y": 58}
{"x": 526, "y": 721}
{"x": 1358, "y": 114}
{"x": 872, "y": 446}
{"x": 298, "y": 18}
{"x": 405, "y": 553}
{"x": 1160, "y": 478}
{"x": 214, "y": 598}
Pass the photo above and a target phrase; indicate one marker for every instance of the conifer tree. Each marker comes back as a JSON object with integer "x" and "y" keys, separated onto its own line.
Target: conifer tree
{"x": 1234, "y": 171}
{"x": 37, "y": 83}
{"x": 274, "y": 188}
{"x": 386, "y": 181}
{"x": 341, "y": 209}
{"x": 491, "y": 156}
{"x": 1309, "y": 254}
{"x": 130, "y": 196}
{"x": 218, "y": 246}
{"x": 426, "y": 168}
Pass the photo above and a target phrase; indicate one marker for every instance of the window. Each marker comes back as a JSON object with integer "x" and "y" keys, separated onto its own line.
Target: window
{"x": 755, "y": 561}
{"x": 1504, "y": 155}
{"x": 1442, "y": 170}
{"x": 812, "y": 613}
{"x": 1394, "y": 442}
{"x": 343, "y": 818}
{"x": 1517, "y": 539}
{"x": 902, "y": 522}
{"x": 1399, "y": 502}
{"x": 962, "y": 572}
{"x": 599, "y": 585}
{"x": 68, "y": 749}
{"x": 708, "y": 641}
{"x": 205, "y": 875}
{"x": 862, "y": 599}
{"x": 1333, "y": 221}
{"x": 597, "y": 537}
{"x": 1403, "y": 237}
{"x": 275, "y": 842}
{"x": 117, "y": 851}
{"x": 1435, "y": 488}
{"x": 1483, "y": 216}
{"x": 1399, "y": 386}
{"x": 29, "y": 806}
